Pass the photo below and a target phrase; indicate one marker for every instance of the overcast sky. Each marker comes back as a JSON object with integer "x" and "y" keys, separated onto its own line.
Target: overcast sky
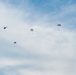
{"x": 49, "y": 49}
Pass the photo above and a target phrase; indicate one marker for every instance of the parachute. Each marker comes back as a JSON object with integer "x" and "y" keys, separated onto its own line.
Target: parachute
{"x": 58, "y": 24}
{"x": 31, "y": 29}
{"x": 15, "y": 42}
{"x": 5, "y": 27}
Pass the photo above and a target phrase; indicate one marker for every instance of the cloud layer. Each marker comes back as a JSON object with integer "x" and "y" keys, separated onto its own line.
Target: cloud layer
{"x": 49, "y": 49}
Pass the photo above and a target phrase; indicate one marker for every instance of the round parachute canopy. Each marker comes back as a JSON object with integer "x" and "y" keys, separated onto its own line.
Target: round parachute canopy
{"x": 31, "y": 29}
{"x": 5, "y": 27}
{"x": 15, "y": 42}
{"x": 58, "y": 24}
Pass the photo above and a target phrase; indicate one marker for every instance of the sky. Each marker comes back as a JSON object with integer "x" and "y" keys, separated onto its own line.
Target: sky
{"x": 49, "y": 49}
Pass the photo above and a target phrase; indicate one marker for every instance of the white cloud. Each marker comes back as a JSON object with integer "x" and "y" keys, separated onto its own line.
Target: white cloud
{"x": 50, "y": 49}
